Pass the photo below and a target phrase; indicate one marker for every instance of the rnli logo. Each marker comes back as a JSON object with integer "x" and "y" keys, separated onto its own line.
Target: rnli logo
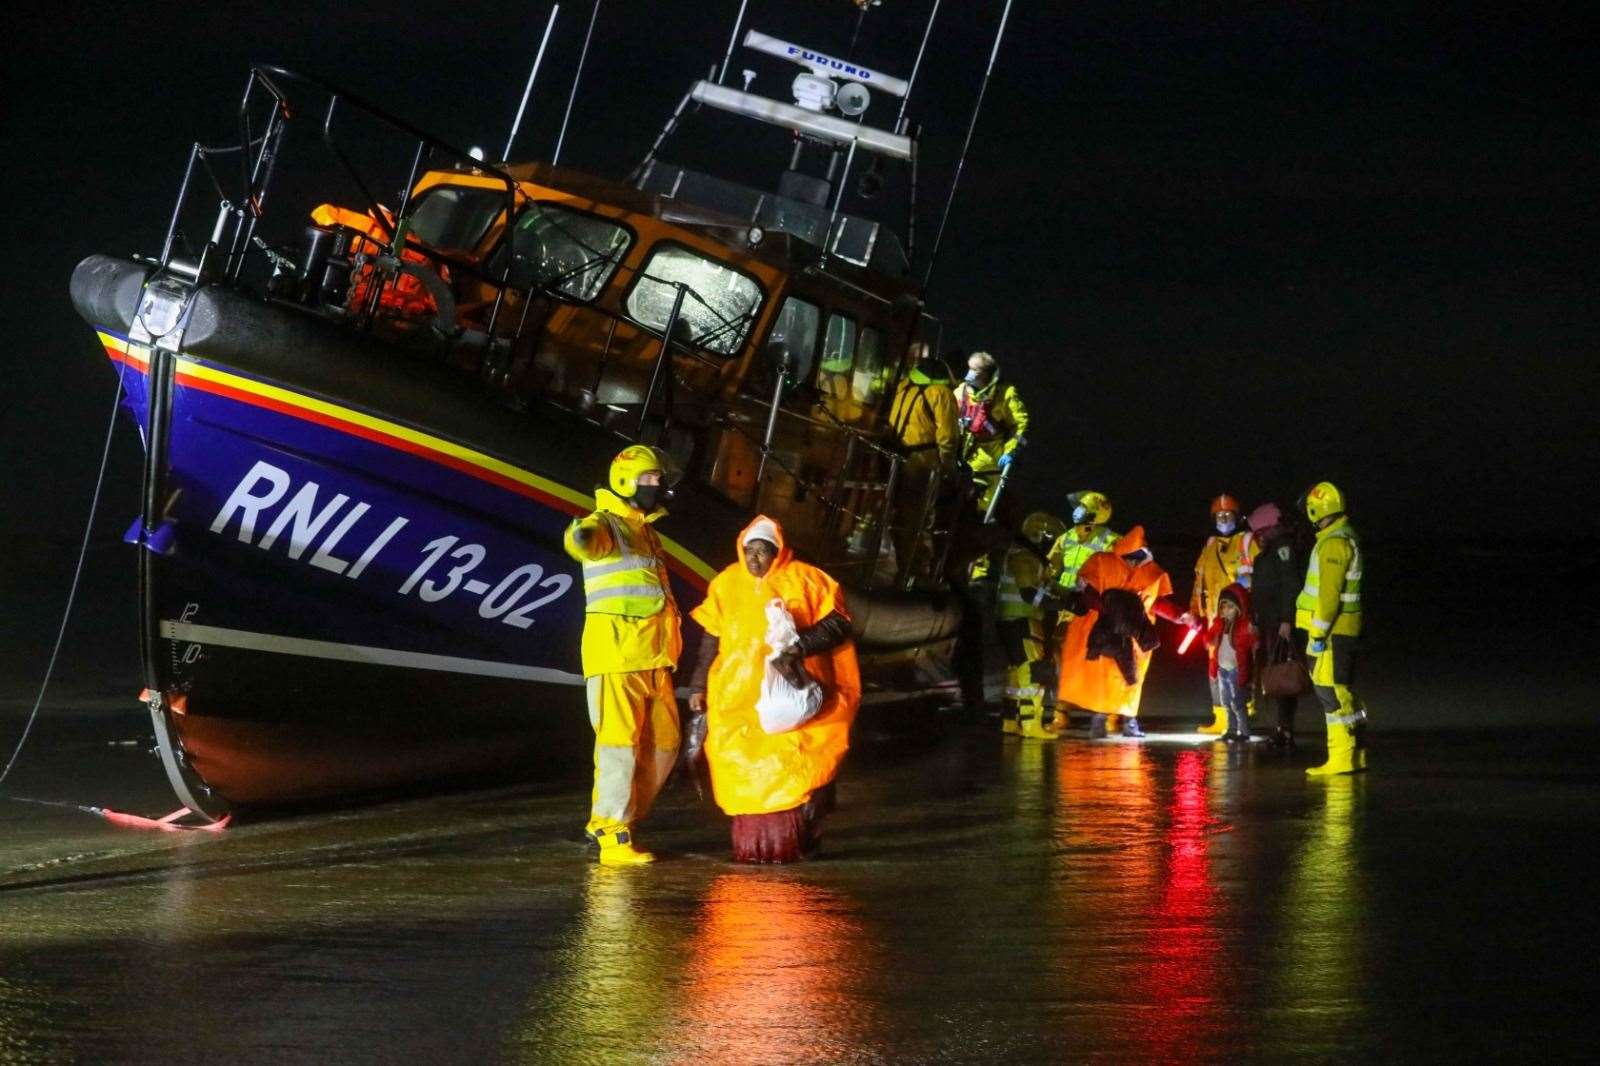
{"x": 817, "y": 59}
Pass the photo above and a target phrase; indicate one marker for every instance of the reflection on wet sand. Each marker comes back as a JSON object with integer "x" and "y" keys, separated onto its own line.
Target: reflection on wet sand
{"x": 1320, "y": 962}
{"x": 775, "y": 973}
{"x": 982, "y": 900}
{"x": 613, "y": 978}
{"x": 1180, "y": 981}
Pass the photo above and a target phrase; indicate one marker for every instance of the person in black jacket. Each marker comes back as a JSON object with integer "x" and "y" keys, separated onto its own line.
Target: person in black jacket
{"x": 1279, "y": 570}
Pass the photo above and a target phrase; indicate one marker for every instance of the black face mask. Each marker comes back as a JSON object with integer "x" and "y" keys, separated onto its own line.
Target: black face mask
{"x": 645, "y": 497}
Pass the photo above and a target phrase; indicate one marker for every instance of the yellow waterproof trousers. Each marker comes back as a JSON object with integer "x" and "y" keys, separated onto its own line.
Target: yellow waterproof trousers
{"x": 1024, "y": 650}
{"x": 635, "y": 720}
{"x": 1331, "y": 674}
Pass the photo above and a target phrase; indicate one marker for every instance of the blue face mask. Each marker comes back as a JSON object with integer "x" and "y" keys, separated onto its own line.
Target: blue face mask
{"x": 973, "y": 378}
{"x": 1226, "y": 526}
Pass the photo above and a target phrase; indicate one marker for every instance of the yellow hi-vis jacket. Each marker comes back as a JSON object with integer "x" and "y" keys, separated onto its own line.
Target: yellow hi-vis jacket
{"x": 1330, "y": 602}
{"x": 1068, "y": 554}
{"x": 924, "y": 415}
{"x": 630, "y": 619}
{"x": 1005, "y": 421}
{"x": 1022, "y": 573}
{"x": 1221, "y": 563}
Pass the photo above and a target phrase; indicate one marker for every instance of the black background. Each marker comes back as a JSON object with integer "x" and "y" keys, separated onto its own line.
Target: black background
{"x": 1219, "y": 246}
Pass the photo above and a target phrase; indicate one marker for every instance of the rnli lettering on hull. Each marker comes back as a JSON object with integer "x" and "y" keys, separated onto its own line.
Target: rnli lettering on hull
{"x": 267, "y": 511}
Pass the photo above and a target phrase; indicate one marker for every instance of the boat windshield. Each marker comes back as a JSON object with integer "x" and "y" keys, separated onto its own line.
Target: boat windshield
{"x": 565, "y": 251}
{"x": 719, "y": 303}
{"x": 455, "y": 217}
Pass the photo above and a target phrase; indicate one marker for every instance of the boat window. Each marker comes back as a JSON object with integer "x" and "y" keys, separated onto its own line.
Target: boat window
{"x": 718, "y": 307}
{"x": 793, "y": 337}
{"x": 565, "y": 251}
{"x": 454, "y": 217}
{"x": 839, "y": 346}
{"x": 871, "y": 377}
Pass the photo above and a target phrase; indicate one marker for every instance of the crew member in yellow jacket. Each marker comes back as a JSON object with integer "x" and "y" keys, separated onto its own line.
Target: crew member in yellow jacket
{"x": 1329, "y": 610}
{"x": 777, "y": 786}
{"x": 1024, "y": 629}
{"x": 1226, "y": 558}
{"x": 994, "y": 424}
{"x": 925, "y": 424}
{"x": 631, "y": 642}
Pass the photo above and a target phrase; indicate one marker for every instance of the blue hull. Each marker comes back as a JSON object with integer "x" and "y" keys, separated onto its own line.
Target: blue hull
{"x": 342, "y": 603}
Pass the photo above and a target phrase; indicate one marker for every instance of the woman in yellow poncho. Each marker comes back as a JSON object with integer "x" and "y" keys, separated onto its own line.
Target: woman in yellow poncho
{"x": 776, "y": 786}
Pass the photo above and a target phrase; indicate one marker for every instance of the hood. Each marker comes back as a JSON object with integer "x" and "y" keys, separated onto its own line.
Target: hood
{"x": 930, "y": 372}
{"x": 1131, "y": 541}
{"x": 1265, "y": 517}
{"x": 784, "y": 554}
{"x": 1239, "y": 594}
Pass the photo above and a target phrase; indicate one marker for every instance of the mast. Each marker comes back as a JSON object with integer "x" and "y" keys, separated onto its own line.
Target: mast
{"x": 967, "y": 144}
{"x": 555, "y": 9}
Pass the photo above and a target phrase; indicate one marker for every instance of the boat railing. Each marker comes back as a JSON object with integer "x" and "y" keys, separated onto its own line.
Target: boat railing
{"x": 234, "y": 230}
{"x": 234, "y": 236}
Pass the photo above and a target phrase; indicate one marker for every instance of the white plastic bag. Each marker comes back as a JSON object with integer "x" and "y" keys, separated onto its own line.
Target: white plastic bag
{"x": 783, "y": 705}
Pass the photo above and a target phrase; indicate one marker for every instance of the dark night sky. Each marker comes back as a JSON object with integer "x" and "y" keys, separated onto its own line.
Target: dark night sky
{"x": 1219, "y": 246}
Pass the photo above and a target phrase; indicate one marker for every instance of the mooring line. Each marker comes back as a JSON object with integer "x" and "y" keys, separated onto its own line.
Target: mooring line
{"x": 72, "y": 594}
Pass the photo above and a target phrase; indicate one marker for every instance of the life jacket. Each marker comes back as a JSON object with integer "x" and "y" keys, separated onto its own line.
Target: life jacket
{"x": 1247, "y": 559}
{"x": 975, "y": 413}
{"x": 404, "y": 295}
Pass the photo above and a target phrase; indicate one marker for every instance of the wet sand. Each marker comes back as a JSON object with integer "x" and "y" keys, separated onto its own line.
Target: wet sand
{"x": 979, "y": 899}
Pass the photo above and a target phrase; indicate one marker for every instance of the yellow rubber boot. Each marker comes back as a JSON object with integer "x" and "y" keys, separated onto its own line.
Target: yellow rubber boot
{"x": 617, "y": 849}
{"x": 1219, "y": 722}
{"x": 1011, "y": 721}
{"x": 1033, "y": 727}
{"x": 1341, "y": 751}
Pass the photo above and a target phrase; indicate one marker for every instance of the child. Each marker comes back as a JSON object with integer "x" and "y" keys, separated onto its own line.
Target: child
{"x": 1232, "y": 641}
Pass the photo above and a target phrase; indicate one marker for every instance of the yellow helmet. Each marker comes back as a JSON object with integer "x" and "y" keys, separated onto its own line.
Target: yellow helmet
{"x": 630, "y": 463}
{"x": 1323, "y": 500}
{"x": 1039, "y": 527}
{"x": 1090, "y": 508}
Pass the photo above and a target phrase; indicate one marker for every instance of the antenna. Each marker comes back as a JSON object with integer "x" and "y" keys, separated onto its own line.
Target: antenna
{"x": 594, "y": 13}
{"x": 916, "y": 65}
{"x": 555, "y": 9}
{"x": 961, "y": 162}
{"x": 733, "y": 41}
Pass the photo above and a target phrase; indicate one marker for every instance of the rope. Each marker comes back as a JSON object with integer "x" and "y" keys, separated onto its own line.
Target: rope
{"x": 72, "y": 595}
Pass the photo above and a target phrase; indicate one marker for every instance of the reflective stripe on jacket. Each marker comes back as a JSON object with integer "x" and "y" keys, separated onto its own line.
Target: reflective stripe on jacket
{"x": 1068, "y": 553}
{"x": 1330, "y": 601}
{"x": 1022, "y": 573}
{"x": 1220, "y": 564}
{"x": 629, "y": 581}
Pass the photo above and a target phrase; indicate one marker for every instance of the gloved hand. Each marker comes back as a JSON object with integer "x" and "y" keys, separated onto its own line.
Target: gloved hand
{"x": 1004, "y": 460}
{"x": 1317, "y": 647}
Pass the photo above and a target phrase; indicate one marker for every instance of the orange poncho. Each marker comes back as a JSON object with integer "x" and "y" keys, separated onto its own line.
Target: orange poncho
{"x": 752, "y": 772}
{"x": 1097, "y": 684}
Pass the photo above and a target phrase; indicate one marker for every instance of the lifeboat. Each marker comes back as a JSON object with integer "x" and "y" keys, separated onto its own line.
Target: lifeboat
{"x": 366, "y": 431}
